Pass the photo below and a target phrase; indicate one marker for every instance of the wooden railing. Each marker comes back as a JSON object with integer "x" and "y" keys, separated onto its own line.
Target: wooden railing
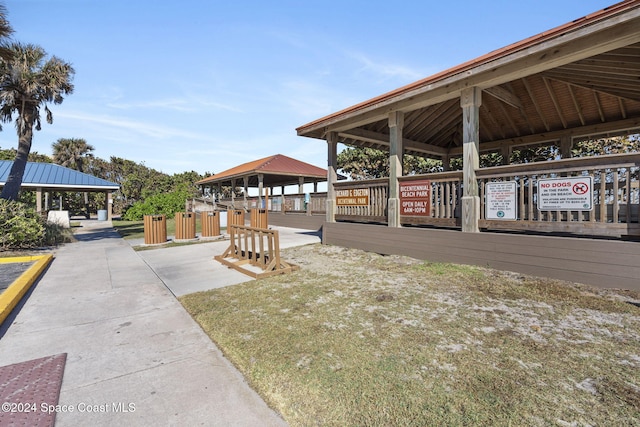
{"x": 615, "y": 190}
{"x": 614, "y": 210}
{"x": 374, "y": 209}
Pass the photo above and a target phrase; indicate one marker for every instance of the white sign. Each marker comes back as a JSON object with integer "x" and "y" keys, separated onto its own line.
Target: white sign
{"x": 501, "y": 200}
{"x": 565, "y": 194}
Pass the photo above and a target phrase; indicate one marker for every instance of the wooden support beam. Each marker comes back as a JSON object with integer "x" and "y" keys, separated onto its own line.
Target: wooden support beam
{"x": 470, "y": 102}
{"x": 396, "y": 153}
{"x": 505, "y": 96}
{"x": 332, "y": 175}
{"x": 620, "y": 126}
{"x": 383, "y": 139}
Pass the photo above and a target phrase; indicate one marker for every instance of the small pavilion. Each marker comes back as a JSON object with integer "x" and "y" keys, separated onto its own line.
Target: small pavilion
{"x": 269, "y": 172}
{"x": 48, "y": 177}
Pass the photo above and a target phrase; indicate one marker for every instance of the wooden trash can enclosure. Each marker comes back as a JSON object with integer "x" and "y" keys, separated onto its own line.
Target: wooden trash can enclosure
{"x": 255, "y": 252}
{"x": 259, "y": 218}
{"x": 155, "y": 229}
{"x": 210, "y": 222}
{"x": 234, "y": 217}
{"x": 185, "y": 226}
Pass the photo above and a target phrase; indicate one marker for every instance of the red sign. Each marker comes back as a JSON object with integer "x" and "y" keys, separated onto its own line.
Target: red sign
{"x": 415, "y": 198}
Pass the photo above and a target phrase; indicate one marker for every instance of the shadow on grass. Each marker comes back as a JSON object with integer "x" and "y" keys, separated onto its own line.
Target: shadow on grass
{"x": 129, "y": 229}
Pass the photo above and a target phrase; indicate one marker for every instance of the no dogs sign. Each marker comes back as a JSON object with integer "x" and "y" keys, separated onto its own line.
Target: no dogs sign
{"x": 565, "y": 194}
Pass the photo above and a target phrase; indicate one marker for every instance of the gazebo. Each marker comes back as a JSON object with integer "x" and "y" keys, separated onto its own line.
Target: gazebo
{"x": 46, "y": 177}
{"x": 266, "y": 173}
{"x": 579, "y": 81}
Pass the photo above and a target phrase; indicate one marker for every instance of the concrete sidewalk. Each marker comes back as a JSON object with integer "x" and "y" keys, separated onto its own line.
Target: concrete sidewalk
{"x": 191, "y": 268}
{"x": 129, "y": 342}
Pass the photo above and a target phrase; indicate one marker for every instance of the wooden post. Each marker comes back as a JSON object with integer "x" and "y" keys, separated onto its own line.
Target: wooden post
{"x": 506, "y": 151}
{"x": 39, "y": 200}
{"x": 470, "y": 101}
{"x": 396, "y": 153}
{"x": 260, "y": 190}
{"x": 233, "y": 193}
{"x": 566, "y": 143}
{"x": 109, "y": 205}
{"x": 332, "y": 175}
{"x": 446, "y": 162}
{"x": 245, "y": 193}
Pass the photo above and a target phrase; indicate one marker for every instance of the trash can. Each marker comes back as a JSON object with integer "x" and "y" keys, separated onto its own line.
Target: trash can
{"x": 155, "y": 229}
{"x": 210, "y": 222}
{"x": 259, "y": 218}
{"x": 185, "y": 226}
{"x": 102, "y": 215}
{"x": 235, "y": 217}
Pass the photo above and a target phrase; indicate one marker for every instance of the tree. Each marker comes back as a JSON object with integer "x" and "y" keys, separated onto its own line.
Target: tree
{"x": 71, "y": 152}
{"x": 28, "y": 82}
{"x": 5, "y": 31}
{"x": 369, "y": 163}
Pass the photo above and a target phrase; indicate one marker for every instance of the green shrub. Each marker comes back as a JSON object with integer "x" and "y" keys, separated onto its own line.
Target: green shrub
{"x": 158, "y": 204}
{"x": 20, "y": 226}
{"x": 55, "y": 234}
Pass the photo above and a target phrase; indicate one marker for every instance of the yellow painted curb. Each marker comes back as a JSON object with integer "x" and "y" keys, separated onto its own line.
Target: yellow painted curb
{"x": 12, "y": 295}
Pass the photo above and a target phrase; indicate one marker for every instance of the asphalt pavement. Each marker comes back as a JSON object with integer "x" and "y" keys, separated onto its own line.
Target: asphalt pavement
{"x": 134, "y": 355}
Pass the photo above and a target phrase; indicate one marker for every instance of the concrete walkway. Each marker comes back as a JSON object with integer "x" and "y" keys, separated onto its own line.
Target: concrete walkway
{"x": 133, "y": 353}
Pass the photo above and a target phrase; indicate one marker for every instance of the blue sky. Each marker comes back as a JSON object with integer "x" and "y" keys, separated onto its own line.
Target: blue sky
{"x": 206, "y": 85}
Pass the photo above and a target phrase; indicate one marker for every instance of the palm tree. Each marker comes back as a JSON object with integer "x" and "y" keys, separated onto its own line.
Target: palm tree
{"x": 71, "y": 152}
{"x": 5, "y": 31}
{"x": 29, "y": 81}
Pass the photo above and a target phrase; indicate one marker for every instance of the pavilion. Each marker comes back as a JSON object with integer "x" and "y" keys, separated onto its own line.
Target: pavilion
{"x": 266, "y": 173}
{"x": 579, "y": 81}
{"x": 48, "y": 177}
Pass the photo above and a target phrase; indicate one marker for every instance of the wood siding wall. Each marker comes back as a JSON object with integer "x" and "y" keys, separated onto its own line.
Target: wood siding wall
{"x": 297, "y": 220}
{"x": 603, "y": 263}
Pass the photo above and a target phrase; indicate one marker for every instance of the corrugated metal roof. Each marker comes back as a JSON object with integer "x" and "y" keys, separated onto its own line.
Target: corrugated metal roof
{"x": 280, "y": 168}
{"x": 48, "y": 175}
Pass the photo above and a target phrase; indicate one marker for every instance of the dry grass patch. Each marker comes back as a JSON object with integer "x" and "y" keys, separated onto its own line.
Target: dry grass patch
{"x": 356, "y": 338}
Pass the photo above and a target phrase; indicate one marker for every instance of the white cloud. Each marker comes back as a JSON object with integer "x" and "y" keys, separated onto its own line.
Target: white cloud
{"x": 385, "y": 71}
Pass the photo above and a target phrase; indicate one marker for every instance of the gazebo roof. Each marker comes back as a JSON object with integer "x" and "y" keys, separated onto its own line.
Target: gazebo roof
{"x": 579, "y": 80}
{"x": 49, "y": 176}
{"x": 277, "y": 170}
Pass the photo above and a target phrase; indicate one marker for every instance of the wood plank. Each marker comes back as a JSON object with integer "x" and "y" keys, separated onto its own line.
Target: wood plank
{"x": 597, "y": 262}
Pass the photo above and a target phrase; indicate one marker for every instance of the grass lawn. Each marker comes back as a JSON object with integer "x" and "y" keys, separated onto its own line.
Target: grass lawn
{"x": 355, "y": 339}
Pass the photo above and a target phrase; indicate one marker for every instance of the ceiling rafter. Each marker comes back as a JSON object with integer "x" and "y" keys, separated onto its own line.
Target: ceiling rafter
{"x": 576, "y": 105}
{"x": 554, "y": 99}
{"x": 535, "y": 103}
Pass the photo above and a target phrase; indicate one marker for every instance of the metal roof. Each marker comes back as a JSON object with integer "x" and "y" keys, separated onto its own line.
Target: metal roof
{"x": 56, "y": 177}
{"x": 276, "y": 170}
{"x": 580, "y": 79}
